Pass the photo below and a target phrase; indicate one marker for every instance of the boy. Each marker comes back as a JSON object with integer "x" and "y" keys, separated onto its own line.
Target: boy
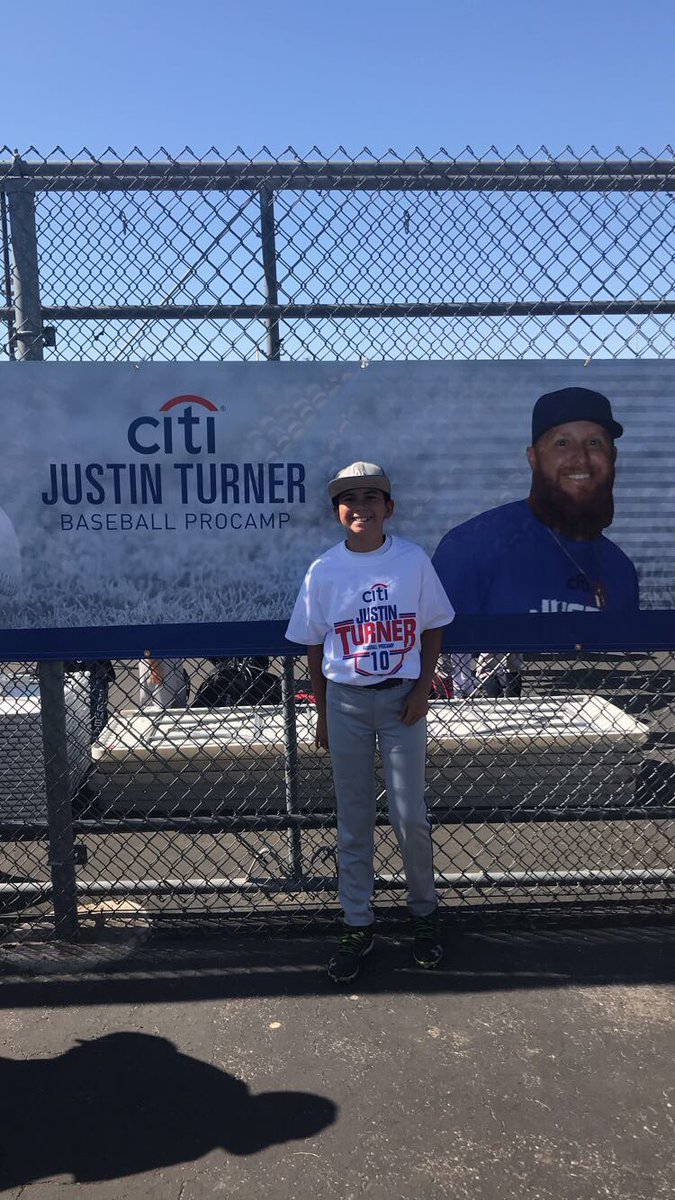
{"x": 371, "y": 612}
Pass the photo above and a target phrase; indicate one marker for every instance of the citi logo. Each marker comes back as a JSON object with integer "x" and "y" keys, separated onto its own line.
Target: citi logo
{"x": 193, "y": 431}
{"x": 378, "y": 592}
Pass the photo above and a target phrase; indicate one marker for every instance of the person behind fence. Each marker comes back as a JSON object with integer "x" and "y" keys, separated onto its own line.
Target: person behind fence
{"x": 490, "y": 674}
{"x": 101, "y": 674}
{"x": 163, "y": 682}
{"x": 545, "y": 554}
{"x": 371, "y": 612}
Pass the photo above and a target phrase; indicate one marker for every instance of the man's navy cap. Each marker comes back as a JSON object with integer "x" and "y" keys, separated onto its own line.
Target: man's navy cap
{"x": 573, "y": 404}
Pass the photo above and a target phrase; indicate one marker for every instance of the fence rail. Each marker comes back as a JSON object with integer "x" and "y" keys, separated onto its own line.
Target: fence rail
{"x": 345, "y": 175}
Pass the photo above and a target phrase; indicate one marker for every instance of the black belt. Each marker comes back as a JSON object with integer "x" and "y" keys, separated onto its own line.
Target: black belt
{"x": 385, "y": 684}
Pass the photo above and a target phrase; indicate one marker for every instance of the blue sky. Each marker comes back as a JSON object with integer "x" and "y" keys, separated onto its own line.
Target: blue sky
{"x": 359, "y": 73}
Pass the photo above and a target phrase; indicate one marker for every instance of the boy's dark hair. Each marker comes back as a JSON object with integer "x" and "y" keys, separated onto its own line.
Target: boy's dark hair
{"x": 336, "y": 499}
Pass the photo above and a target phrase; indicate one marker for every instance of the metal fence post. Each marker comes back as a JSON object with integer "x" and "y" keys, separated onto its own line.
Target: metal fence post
{"x": 29, "y": 342}
{"x": 269, "y": 256}
{"x": 26, "y": 278}
{"x": 59, "y": 808}
{"x": 291, "y": 768}
{"x": 7, "y": 273}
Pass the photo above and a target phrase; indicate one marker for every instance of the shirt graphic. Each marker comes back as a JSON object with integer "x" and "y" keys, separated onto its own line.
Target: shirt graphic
{"x": 378, "y": 638}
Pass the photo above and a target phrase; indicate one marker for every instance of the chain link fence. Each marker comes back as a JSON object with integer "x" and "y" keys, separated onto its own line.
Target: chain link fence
{"x": 193, "y": 788}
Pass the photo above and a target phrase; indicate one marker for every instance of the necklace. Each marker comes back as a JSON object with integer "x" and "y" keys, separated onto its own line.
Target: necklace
{"x": 598, "y": 589}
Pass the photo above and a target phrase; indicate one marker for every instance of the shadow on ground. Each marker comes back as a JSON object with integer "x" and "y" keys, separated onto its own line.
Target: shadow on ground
{"x": 476, "y": 960}
{"x": 130, "y": 1102}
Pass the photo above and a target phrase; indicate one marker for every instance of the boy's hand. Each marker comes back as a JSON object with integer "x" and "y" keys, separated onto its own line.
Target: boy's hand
{"x": 416, "y": 705}
{"x": 321, "y": 733}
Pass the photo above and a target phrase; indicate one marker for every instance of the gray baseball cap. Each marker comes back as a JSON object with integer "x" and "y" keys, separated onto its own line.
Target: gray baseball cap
{"x": 359, "y": 474}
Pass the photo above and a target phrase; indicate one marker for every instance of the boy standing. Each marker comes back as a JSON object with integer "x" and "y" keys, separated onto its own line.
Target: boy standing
{"x": 371, "y": 612}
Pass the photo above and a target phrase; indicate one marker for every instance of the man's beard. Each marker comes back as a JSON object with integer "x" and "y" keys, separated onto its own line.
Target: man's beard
{"x": 580, "y": 520}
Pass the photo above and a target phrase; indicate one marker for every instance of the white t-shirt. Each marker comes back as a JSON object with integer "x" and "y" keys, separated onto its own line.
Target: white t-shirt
{"x": 369, "y": 611}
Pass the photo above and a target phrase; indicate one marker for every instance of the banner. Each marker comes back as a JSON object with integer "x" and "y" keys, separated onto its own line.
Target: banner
{"x": 192, "y": 496}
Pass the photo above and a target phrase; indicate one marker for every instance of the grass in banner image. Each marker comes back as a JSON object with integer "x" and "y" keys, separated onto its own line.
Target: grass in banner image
{"x": 10, "y": 562}
{"x": 75, "y": 593}
{"x": 70, "y": 578}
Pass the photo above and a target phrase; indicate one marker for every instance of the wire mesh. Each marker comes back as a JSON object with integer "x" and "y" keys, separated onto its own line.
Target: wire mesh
{"x": 184, "y": 800}
{"x": 583, "y": 245}
{"x": 195, "y": 787}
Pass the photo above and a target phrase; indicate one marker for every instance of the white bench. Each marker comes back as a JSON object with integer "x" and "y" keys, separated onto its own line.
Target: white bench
{"x": 572, "y": 751}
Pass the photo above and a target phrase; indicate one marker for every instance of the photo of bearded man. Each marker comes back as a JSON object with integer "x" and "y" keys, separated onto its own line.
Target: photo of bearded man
{"x": 573, "y": 470}
{"x": 546, "y": 553}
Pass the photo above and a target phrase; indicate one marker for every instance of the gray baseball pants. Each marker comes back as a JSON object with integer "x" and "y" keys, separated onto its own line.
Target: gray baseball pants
{"x": 358, "y": 717}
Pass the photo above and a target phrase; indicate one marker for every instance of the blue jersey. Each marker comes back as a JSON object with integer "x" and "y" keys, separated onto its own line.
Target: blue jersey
{"x": 507, "y": 561}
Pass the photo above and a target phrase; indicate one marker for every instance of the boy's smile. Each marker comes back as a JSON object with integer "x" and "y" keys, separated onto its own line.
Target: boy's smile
{"x": 362, "y": 512}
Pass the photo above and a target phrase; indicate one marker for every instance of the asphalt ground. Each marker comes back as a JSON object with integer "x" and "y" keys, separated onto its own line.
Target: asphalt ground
{"x": 538, "y": 1063}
